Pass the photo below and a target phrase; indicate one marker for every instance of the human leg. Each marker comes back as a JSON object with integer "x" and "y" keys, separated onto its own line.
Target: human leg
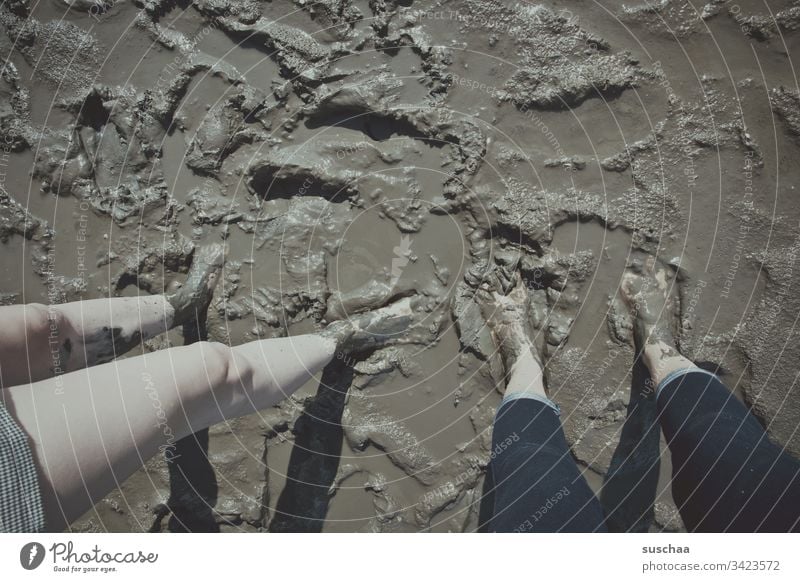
{"x": 90, "y": 429}
{"x": 727, "y": 474}
{"x": 38, "y": 341}
{"x": 535, "y": 484}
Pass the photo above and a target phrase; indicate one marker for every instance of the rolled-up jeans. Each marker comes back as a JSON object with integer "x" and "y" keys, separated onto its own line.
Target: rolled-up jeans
{"x": 727, "y": 474}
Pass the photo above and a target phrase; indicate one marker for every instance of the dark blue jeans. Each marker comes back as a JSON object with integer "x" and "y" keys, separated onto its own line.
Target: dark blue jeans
{"x": 727, "y": 474}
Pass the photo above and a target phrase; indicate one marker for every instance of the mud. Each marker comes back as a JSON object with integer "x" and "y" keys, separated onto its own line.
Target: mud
{"x": 349, "y": 152}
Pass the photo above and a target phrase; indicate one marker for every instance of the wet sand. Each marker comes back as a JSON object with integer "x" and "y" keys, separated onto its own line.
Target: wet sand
{"x": 421, "y": 147}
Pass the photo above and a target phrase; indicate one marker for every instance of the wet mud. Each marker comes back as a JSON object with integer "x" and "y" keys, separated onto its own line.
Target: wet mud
{"x": 352, "y": 151}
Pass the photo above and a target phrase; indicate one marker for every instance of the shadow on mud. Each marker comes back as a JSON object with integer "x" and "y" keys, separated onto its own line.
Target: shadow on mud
{"x": 314, "y": 462}
{"x": 630, "y": 486}
{"x": 192, "y": 481}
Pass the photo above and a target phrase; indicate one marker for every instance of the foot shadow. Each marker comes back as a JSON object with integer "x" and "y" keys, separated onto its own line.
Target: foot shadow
{"x": 630, "y": 486}
{"x": 314, "y": 462}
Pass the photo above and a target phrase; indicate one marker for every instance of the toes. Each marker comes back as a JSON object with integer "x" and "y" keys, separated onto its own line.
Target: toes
{"x": 627, "y": 286}
{"x": 662, "y": 279}
{"x": 483, "y": 296}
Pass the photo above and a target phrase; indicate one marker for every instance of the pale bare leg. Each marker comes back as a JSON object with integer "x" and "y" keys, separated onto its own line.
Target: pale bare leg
{"x": 507, "y": 315}
{"x": 646, "y": 291}
{"x": 93, "y": 428}
{"x": 38, "y": 341}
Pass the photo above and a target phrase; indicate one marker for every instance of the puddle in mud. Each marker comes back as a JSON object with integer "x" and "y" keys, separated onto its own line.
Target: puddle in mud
{"x": 180, "y": 179}
{"x": 408, "y": 260}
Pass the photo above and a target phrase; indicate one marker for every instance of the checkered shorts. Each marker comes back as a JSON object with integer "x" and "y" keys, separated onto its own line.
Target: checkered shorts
{"x": 20, "y": 501}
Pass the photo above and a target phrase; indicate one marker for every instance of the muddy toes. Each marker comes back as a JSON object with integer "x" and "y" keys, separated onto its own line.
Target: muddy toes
{"x": 371, "y": 296}
{"x": 196, "y": 292}
{"x": 375, "y": 329}
{"x": 507, "y": 315}
{"x": 646, "y": 293}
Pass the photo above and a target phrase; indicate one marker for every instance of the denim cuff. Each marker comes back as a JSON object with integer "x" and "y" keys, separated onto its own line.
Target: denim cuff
{"x": 531, "y": 396}
{"x": 682, "y": 372}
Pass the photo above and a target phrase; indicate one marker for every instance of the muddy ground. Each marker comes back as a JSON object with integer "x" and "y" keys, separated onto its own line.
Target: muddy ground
{"x": 421, "y": 146}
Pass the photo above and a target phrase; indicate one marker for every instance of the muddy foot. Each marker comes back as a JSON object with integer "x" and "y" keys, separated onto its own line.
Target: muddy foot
{"x": 645, "y": 290}
{"x": 369, "y": 297}
{"x": 507, "y": 316}
{"x": 195, "y": 293}
{"x": 373, "y": 329}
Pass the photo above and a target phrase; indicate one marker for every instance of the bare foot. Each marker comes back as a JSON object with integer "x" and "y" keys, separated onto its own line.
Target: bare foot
{"x": 373, "y": 329}
{"x": 645, "y": 289}
{"x": 194, "y": 295}
{"x": 370, "y": 296}
{"x": 507, "y": 316}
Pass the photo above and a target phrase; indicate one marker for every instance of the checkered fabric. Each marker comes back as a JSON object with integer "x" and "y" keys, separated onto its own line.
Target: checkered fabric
{"x": 20, "y": 501}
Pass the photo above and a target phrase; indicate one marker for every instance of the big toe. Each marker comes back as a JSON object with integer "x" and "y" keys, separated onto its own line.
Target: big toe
{"x": 210, "y": 256}
{"x": 629, "y": 287}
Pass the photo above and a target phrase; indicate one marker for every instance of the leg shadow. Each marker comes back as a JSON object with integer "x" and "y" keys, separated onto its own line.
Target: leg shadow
{"x": 630, "y": 486}
{"x": 314, "y": 462}
{"x": 486, "y": 503}
{"x": 192, "y": 481}
{"x": 193, "y": 486}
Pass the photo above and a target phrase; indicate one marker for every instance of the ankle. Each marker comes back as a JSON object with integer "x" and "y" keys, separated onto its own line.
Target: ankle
{"x": 662, "y": 359}
{"x": 525, "y": 374}
{"x": 338, "y": 332}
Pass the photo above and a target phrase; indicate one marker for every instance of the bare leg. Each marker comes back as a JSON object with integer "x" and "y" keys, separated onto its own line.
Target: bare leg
{"x": 531, "y": 467}
{"x": 93, "y": 428}
{"x": 726, "y": 473}
{"x": 38, "y": 341}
